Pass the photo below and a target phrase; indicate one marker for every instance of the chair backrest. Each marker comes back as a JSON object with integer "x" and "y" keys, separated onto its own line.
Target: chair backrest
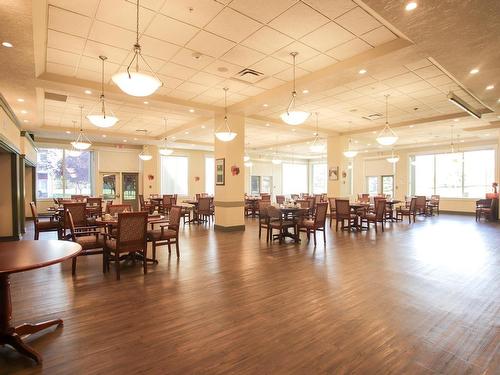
{"x": 131, "y": 231}
{"x": 413, "y": 204}
{"x": 94, "y": 201}
{"x": 380, "y": 208}
{"x": 280, "y": 199}
{"x": 142, "y": 203}
{"x": 320, "y": 214}
{"x": 273, "y": 212}
{"x": 294, "y": 196}
{"x": 198, "y": 196}
{"x": 108, "y": 205}
{"x": 68, "y": 218}
{"x": 263, "y": 205}
{"x": 79, "y": 197}
{"x": 34, "y": 211}
{"x": 484, "y": 203}
{"x": 119, "y": 208}
{"x": 435, "y": 199}
{"x": 343, "y": 209}
{"x": 420, "y": 202}
{"x": 265, "y": 197}
{"x": 174, "y": 217}
{"x": 203, "y": 205}
{"x": 78, "y": 212}
{"x": 166, "y": 201}
{"x": 331, "y": 202}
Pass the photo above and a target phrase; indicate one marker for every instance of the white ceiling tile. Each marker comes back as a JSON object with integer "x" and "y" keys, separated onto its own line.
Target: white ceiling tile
{"x": 243, "y": 56}
{"x": 270, "y": 66}
{"x": 171, "y": 30}
{"x": 170, "y": 82}
{"x": 332, "y": 8}
{"x": 158, "y": 48}
{"x": 402, "y": 80}
{"x": 68, "y": 22}
{"x": 223, "y": 69}
{"x": 349, "y": 49}
{"x": 206, "y": 79}
{"x": 88, "y": 75}
{"x": 378, "y": 36}
{"x": 287, "y": 74}
{"x": 327, "y": 37}
{"x": 298, "y": 21}
{"x": 197, "y": 13}
{"x": 419, "y": 64}
{"x": 182, "y": 94}
{"x": 358, "y": 21}
{"x": 123, "y": 14}
{"x": 205, "y": 99}
{"x": 192, "y": 87}
{"x": 414, "y": 87}
{"x": 153, "y": 62}
{"x": 210, "y": 44}
{"x": 185, "y": 57}
{"x": 177, "y": 71}
{"x": 93, "y": 64}
{"x": 389, "y": 72}
{"x": 232, "y": 25}
{"x": 95, "y": 49}
{"x": 64, "y": 70}
{"x": 269, "y": 83}
{"x": 262, "y": 10}
{"x": 252, "y": 91}
{"x": 70, "y": 43}
{"x": 428, "y": 72}
{"x": 62, "y": 57}
{"x": 305, "y": 52}
{"x": 112, "y": 35}
{"x": 440, "y": 80}
{"x": 317, "y": 63}
{"x": 86, "y": 8}
{"x": 267, "y": 40}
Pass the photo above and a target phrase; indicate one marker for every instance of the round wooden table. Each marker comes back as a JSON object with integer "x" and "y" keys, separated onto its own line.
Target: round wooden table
{"x": 20, "y": 256}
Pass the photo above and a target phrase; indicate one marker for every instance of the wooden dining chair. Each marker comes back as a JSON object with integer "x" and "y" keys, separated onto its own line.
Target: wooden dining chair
{"x": 280, "y": 199}
{"x": 433, "y": 205}
{"x": 168, "y": 234}
{"x": 483, "y": 208}
{"x": 294, "y": 196}
{"x": 51, "y": 225}
{"x": 331, "y": 203}
{"x": 276, "y": 221}
{"x": 343, "y": 213}
{"x": 204, "y": 210}
{"x": 130, "y": 237}
{"x": 421, "y": 205}
{"x": 92, "y": 242}
{"x": 264, "y": 218}
{"x": 81, "y": 220}
{"x": 317, "y": 223}
{"x": 145, "y": 205}
{"x": 94, "y": 206}
{"x": 119, "y": 208}
{"x": 378, "y": 216}
{"x": 407, "y": 211}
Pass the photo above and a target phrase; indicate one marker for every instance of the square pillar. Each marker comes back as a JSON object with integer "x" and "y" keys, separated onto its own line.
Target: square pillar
{"x": 338, "y": 171}
{"x": 151, "y": 168}
{"x": 229, "y": 200}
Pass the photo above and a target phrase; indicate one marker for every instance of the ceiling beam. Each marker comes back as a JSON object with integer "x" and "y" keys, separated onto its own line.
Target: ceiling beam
{"x": 282, "y": 144}
{"x": 185, "y": 127}
{"x": 491, "y": 126}
{"x": 284, "y": 127}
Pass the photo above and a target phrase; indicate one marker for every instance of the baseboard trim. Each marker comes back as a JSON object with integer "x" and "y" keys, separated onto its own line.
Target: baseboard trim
{"x": 234, "y": 228}
{"x": 462, "y": 213}
{"x": 10, "y": 238}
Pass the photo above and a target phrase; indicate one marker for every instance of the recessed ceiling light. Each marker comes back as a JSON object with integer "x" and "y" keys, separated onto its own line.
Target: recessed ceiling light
{"x": 368, "y": 144}
{"x": 411, "y": 126}
{"x": 24, "y": 111}
{"x": 305, "y": 91}
{"x": 267, "y": 124}
{"x": 487, "y": 135}
{"x": 374, "y": 132}
{"x": 474, "y": 71}
{"x": 104, "y": 136}
{"x": 456, "y": 120}
{"x": 490, "y": 87}
{"x": 462, "y": 141}
{"x": 186, "y": 132}
{"x": 411, "y": 5}
{"x": 356, "y": 141}
{"x": 25, "y": 121}
{"x": 68, "y": 132}
{"x": 362, "y": 71}
{"x": 135, "y": 139}
{"x": 146, "y": 102}
{"x": 203, "y": 126}
{"x": 125, "y": 140}
{"x": 20, "y": 100}
{"x": 174, "y": 137}
{"x": 191, "y": 110}
{"x": 294, "y": 130}
{"x": 88, "y": 92}
{"x": 7, "y": 44}
{"x": 265, "y": 105}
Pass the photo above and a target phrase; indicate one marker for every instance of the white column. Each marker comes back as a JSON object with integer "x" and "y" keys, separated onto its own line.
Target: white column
{"x": 338, "y": 183}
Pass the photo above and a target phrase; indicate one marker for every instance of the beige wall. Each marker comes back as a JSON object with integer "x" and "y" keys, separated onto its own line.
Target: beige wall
{"x": 264, "y": 168}
{"x": 5, "y": 196}
{"x": 9, "y": 130}
{"x": 28, "y": 150}
{"x": 28, "y": 190}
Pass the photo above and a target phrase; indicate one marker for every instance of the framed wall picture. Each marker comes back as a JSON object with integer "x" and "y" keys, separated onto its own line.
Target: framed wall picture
{"x": 220, "y": 171}
{"x": 333, "y": 173}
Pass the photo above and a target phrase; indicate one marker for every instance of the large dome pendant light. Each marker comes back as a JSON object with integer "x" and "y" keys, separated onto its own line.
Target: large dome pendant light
{"x": 387, "y": 136}
{"x": 349, "y": 153}
{"x": 136, "y": 83}
{"x": 393, "y": 159}
{"x": 317, "y": 146}
{"x": 165, "y": 151}
{"x": 73, "y": 152}
{"x": 145, "y": 154}
{"x": 82, "y": 142}
{"x": 292, "y": 117}
{"x": 102, "y": 119}
{"x": 225, "y": 134}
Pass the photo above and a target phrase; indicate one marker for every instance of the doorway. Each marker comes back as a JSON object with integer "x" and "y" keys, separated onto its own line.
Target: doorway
{"x": 130, "y": 189}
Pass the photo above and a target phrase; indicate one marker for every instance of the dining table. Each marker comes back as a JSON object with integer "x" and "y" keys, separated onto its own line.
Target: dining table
{"x": 195, "y": 219}
{"x": 292, "y": 213}
{"x": 21, "y": 256}
{"x": 253, "y": 203}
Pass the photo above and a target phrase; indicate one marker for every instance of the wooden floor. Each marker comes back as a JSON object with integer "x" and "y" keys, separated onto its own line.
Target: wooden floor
{"x": 419, "y": 299}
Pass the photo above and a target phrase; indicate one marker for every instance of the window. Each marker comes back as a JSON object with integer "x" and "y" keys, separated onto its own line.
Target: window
{"x": 60, "y": 175}
{"x": 174, "y": 175}
{"x": 319, "y": 177}
{"x": 254, "y": 185}
{"x": 261, "y": 184}
{"x": 294, "y": 178}
{"x": 388, "y": 185}
{"x": 209, "y": 175}
{"x": 372, "y": 183}
{"x": 454, "y": 175}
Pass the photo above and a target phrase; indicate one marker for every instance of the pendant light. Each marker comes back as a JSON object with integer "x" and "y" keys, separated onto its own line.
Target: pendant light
{"x": 248, "y": 164}
{"x": 457, "y": 157}
{"x": 387, "y": 136}
{"x": 136, "y": 83}
{"x": 349, "y": 153}
{"x": 276, "y": 159}
{"x": 292, "y": 117}
{"x": 102, "y": 119}
{"x": 318, "y": 146}
{"x": 73, "y": 151}
{"x": 145, "y": 155}
{"x": 82, "y": 142}
{"x": 225, "y": 134}
{"x": 165, "y": 151}
{"x": 393, "y": 158}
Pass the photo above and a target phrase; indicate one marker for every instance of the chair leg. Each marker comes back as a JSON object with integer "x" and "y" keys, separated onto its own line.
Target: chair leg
{"x": 382, "y": 223}
{"x": 336, "y": 225}
{"x": 117, "y": 265}
{"x": 73, "y": 266}
{"x": 177, "y": 247}
{"x": 145, "y": 259}
{"x": 169, "y": 249}
{"x": 260, "y": 230}
{"x": 37, "y": 234}
{"x": 314, "y": 234}
{"x": 154, "y": 249}
{"x": 324, "y": 236}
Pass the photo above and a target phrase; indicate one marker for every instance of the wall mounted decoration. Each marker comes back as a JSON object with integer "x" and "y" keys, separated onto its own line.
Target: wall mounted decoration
{"x": 220, "y": 174}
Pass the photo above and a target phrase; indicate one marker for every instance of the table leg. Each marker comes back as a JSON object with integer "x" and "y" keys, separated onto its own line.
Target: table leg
{"x": 13, "y": 335}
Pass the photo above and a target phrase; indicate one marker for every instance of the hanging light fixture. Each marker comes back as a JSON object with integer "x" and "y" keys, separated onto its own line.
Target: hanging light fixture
{"x": 393, "y": 158}
{"x": 136, "y": 83}
{"x": 82, "y": 142}
{"x": 73, "y": 151}
{"x": 276, "y": 159}
{"x": 246, "y": 158}
{"x": 457, "y": 157}
{"x": 248, "y": 164}
{"x": 318, "y": 146}
{"x": 225, "y": 134}
{"x": 387, "y": 136}
{"x": 145, "y": 155}
{"x": 165, "y": 151}
{"x": 292, "y": 117}
{"x": 102, "y": 119}
{"x": 349, "y": 153}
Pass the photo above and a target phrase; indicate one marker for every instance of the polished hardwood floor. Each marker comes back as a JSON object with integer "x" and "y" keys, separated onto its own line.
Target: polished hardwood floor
{"x": 416, "y": 299}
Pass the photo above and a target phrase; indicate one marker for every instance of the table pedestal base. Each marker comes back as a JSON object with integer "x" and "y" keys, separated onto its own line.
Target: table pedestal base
{"x": 13, "y": 335}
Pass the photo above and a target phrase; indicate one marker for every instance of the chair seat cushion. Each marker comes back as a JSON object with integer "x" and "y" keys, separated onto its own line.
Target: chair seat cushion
{"x": 111, "y": 244}
{"x": 370, "y": 216}
{"x": 284, "y": 223}
{"x": 90, "y": 242}
{"x": 157, "y": 235}
{"x": 307, "y": 223}
{"x": 46, "y": 224}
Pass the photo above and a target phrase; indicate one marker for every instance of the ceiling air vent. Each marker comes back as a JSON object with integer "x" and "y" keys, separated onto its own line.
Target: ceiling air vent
{"x": 373, "y": 116}
{"x": 55, "y": 97}
{"x": 248, "y": 75}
